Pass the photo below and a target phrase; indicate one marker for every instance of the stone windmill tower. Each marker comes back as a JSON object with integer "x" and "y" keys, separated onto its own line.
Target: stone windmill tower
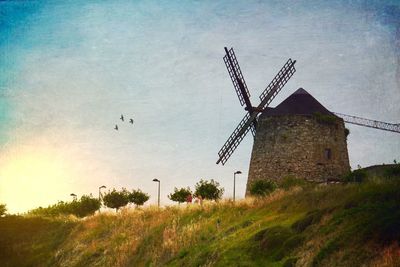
{"x": 298, "y": 138}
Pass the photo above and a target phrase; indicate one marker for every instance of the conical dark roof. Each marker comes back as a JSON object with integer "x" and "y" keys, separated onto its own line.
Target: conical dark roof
{"x": 298, "y": 103}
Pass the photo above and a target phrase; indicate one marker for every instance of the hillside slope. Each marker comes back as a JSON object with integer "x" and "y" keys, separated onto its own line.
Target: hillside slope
{"x": 335, "y": 225}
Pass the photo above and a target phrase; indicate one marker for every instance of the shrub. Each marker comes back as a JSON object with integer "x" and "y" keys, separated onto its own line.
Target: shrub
{"x": 356, "y": 176}
{"x": 3, "y": 209}
{"x": 262, "y": 187}
{"x": 138, "y": 197}
{"x": 116, "y": 199}
{"x": 209, "y": 189}
{"x": 180, "y": 195}
{"x": 47, "y": 212}
{"x": 87, "y": 205}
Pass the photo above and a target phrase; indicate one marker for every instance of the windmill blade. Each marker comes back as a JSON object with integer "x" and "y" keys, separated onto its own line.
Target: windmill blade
{"x": 250, "y": 120}
{"x": 392, "y": 127}
{"x": 236, "y": 75}
{"x": 236, "y": 137}
{"x": 277, "y": 83}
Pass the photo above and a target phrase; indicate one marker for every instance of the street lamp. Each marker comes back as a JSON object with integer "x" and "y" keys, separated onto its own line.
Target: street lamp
{"x": 158, "y": 181}
{"x": 73, "y": 196}
{"x": 101, "y": 187}
{"x": 234, "y": 183}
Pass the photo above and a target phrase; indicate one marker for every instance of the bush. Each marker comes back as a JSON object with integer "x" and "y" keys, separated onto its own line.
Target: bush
{"x": 180, "y": 195}
{"x": 50, "y": 211}
{"x": 138, "y": 197}
{"x": 116, "y": 199}
{"x": 262, "y": 187}
{"x": 209, "y": 190}
{"x": 86, "y": 206}
{"x": 356, "y": 176}
{"x": 3, "y": 209}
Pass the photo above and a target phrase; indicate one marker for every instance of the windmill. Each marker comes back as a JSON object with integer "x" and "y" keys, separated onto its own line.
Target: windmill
{"x": 249, "y": 121}
{"x": 298, "y": 138}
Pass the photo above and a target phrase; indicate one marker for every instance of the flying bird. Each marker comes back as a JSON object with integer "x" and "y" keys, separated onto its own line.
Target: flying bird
{"x": 116, "y": 127}
{"x": 131, "y": 121}
{"x": 122, "y": 117}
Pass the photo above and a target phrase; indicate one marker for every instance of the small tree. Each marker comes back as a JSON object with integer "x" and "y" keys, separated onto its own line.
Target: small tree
{"x": 87, "y": 205}
{"x": 262, "y": 187}
{"x": 3, "y": 209}
{"x": 180, "y": 195}
{"x": 138, "y": 197}
{"x": 116, "y": 199}
{"x": 62, "y": 208}
{"x": 209, "y": 190}
{"x": 356, "y": 176}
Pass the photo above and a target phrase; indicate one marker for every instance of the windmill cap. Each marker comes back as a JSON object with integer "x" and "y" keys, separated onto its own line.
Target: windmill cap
{"x": 298, "y": 103}
{"x": 300, "y": 91}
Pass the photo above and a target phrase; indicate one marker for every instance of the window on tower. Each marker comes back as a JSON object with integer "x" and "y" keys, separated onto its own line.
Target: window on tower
{"x": 328, "y": 153}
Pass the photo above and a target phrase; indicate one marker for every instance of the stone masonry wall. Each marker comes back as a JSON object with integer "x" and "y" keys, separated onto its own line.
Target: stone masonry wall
{"x": 295, "y": 145}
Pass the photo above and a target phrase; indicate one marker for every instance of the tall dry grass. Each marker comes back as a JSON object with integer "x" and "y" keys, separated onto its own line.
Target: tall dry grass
{"x": 218, "y": 232}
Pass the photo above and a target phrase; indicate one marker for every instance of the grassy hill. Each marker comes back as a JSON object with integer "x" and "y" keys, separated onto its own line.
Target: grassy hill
{"x": 332, "y": 225}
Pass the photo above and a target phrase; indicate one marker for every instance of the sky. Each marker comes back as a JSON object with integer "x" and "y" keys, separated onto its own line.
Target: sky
{"x": 68, "y": 70}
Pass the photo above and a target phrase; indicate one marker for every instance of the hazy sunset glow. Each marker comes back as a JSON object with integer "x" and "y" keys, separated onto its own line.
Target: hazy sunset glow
{"x": 37, "y": 175}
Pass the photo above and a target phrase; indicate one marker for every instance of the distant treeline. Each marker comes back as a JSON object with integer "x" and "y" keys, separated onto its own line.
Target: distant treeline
{"x": 88, "y": 205}
{"x": 210, "y": 190}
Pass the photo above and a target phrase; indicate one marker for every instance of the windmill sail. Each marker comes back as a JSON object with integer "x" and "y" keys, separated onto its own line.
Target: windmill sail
{"x": 249, "y": 121}
{"x": 392, "y": 127}
{"x": 277, "y": 83}
{"x": 236, "y": 75}
{"x": 236, "y": 137}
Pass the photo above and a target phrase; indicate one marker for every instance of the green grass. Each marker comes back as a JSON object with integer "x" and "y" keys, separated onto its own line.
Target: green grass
{"x": 335, "y": 225}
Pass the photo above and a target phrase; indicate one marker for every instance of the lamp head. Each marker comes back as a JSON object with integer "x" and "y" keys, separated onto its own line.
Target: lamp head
{"x": 156, "y": 180}
{"x": 103, "y": 186}
{"x": 238, "y": 172}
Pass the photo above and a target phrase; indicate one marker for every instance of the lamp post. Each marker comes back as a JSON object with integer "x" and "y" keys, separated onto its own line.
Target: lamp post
{"x": 158, "y": 181}
{"x": 101, "y": 187}
{"x": 73, "y": 196}
{"x": 234, "y": 183}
